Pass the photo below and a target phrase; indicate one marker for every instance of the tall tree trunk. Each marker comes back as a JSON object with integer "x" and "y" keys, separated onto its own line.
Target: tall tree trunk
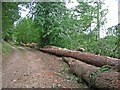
{"x": 98, "y": 21}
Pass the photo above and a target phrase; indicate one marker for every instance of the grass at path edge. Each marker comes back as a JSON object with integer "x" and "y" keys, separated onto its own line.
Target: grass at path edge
{"x": 5, "y": 49}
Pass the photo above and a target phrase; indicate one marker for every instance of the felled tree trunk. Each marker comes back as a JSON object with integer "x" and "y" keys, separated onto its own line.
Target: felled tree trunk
{"x": 108, "y": 80}
{"x": 85, "y": 57}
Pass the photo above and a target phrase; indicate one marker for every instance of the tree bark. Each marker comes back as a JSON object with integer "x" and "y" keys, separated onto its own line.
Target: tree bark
{"x": 85, "y": 57}
{"x": 108, "y": 80}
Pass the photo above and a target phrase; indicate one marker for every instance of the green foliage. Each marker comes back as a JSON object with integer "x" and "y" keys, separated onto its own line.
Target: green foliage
{"x": 105, "y": 46}
{"x": 10, "y": 14}
{"x": 48, "y": 16}
{"x": 6, "y": 49}
{"x": 54, "y": 24}
{"x": 114, "y": 31}
{"x": 105, "y": 68}
{"x": 26, "y": 32}
{"x": 62, "y": 26}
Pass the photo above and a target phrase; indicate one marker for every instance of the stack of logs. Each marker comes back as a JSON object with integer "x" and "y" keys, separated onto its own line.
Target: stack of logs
{"x": 99, "y": 72}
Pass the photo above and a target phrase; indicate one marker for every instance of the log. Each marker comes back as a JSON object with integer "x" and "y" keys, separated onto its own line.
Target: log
{"x": 92, "y": 59}
{"x": 93, "y": 76}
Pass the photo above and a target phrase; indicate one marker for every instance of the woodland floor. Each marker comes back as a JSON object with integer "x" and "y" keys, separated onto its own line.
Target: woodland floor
{"x": 30, "y": 68}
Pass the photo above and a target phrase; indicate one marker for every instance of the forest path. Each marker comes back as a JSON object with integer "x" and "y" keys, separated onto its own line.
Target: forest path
{"x": 29, "y": 68}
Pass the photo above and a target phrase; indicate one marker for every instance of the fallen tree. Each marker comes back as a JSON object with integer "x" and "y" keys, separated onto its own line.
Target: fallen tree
{"x": 93, "y": 59}
{"x": 95, "y": 77}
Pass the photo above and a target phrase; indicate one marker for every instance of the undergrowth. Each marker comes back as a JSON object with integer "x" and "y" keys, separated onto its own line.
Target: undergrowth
{"x": 6, "y": 49}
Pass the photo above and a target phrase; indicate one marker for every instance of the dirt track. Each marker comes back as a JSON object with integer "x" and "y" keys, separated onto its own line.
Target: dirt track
{"x": 28, "y": 68}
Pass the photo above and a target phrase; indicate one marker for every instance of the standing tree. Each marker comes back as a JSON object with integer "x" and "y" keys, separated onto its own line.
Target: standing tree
{"x": 10, "y": 13}
{"x": 48, "y": 16}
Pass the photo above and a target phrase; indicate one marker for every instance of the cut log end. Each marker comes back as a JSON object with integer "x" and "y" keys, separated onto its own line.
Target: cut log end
{"x": 94, "y": 76}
